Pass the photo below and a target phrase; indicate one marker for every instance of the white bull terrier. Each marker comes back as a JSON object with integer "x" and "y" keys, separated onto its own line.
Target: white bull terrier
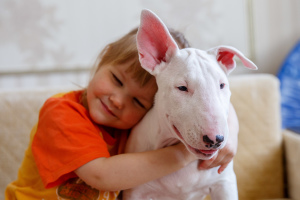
{"x": 191, "y": 106}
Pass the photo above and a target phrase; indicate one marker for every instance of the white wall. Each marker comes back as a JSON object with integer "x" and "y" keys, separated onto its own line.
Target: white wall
{"x": 56, "y": 42}
{"x": 276, "y": 31}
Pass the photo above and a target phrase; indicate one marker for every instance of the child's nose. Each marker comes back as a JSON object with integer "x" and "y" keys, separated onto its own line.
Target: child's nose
{"x": 117, "y": 100}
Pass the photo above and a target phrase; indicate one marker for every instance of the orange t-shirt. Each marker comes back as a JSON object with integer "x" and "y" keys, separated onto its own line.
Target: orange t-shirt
{"x": 64, "y": 139}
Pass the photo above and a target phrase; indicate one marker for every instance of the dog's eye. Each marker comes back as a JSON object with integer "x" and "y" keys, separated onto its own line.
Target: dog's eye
{"x": 222, "y": 85}
{"x": 182, "y": 88}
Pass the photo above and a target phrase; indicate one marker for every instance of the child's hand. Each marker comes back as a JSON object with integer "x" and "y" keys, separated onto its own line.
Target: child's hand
{"x": 223, "y": 158}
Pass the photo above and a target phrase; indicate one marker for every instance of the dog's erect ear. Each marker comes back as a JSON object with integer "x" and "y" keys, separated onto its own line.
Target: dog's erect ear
{"x": 225, "y": 54}
{"x": 154, "y": 42}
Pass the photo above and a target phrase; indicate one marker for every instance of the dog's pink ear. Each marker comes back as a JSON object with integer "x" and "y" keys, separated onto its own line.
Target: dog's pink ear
{"x": 154, "y": 42}
{"x": 225, "y": 54}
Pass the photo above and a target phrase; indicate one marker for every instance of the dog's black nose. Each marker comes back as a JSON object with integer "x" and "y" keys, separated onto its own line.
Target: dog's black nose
{"x": 219, "y": 138}
{"x": 211, "y": 143}
{"x": 207, "y": 140}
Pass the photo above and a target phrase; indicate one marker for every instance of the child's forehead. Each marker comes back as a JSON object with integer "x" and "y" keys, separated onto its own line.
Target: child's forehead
{"x": 148, "y": 91}
{"x": 145, "y": 89}
{"x": 135, "y": 71}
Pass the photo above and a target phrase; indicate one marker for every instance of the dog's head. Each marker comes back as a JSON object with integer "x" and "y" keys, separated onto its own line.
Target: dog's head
{"x": 193, "y": 91}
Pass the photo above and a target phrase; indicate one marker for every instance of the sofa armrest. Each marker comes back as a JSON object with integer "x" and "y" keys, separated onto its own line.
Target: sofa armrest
{"x": 19, "y": 111}
{"x": 292, "y": 152}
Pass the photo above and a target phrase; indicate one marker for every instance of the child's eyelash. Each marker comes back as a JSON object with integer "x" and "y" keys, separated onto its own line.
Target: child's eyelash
{"x": 121, "y": 84}
{"x": 138, "y": 102}
{"x": 117, "y": 79}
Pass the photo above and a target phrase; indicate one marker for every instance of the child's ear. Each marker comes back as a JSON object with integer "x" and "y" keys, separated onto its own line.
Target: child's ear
{"x": 154, "y": 42}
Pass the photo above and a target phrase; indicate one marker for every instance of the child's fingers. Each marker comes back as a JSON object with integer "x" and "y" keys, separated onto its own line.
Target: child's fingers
{"x": 222, "y": 168}
{"x": 206, "y": 164}
{"x": 222, "y": 159}
{"x": 219, "y": 160}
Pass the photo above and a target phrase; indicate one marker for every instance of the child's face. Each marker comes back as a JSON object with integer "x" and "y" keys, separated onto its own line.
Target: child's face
{"x": 116, "y": 100}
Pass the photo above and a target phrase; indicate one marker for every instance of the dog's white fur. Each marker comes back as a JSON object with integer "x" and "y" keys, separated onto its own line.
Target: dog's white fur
{"x": 190, "y": 103}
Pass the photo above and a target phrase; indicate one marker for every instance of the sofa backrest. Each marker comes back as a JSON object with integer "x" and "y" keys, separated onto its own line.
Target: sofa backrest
{"x": 258, "y": 163}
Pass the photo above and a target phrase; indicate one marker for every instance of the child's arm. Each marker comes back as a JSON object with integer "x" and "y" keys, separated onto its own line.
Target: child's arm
{"x": 132, "y": 169}
{"x": 225, "y": 155}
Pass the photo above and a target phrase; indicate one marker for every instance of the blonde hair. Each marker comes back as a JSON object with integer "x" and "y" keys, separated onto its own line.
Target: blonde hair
{"x": 125, "y": 50}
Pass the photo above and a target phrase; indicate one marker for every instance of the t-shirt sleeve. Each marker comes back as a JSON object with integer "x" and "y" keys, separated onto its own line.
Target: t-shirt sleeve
{"x": 65, "y": 139}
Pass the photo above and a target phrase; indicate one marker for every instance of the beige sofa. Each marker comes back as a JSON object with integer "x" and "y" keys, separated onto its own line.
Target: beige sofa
{"x": 266, "y": 163}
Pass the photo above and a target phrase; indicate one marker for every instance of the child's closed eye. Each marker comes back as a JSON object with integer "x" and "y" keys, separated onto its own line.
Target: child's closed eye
{"x": 117, "y": 79}
{"x": 139, "y": 103}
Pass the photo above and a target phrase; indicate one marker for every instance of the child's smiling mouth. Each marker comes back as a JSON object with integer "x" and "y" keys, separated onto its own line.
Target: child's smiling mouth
{"x": 106, "y": 108}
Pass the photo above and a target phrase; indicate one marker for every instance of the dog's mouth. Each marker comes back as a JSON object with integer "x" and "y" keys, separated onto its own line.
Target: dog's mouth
{"x": 177, "y": 132}
{"x": 205, "y": 153}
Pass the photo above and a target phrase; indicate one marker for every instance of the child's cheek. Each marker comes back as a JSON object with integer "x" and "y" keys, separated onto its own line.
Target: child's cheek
{"x": 138, "y": 115}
